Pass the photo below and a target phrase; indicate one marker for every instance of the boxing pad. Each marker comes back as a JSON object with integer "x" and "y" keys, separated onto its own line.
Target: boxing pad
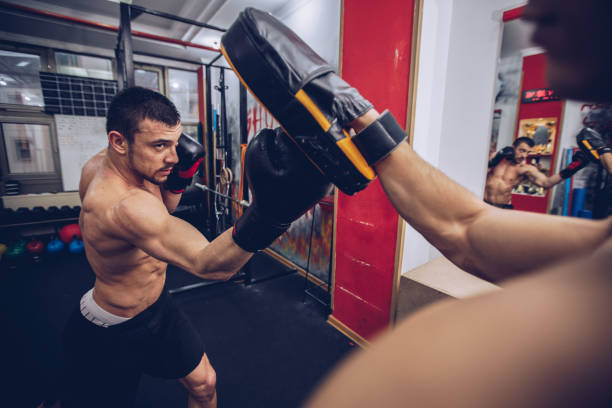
{"x": 592, "y": 144}
{"x": 313, "y": 105}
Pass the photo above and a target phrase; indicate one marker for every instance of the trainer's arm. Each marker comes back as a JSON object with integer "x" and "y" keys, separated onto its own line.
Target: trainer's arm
{"x": 144, "y": 221}
{"x": 479, "y": 238}
{"x": 541, "y": 342}
{"x": 606, "y": 161}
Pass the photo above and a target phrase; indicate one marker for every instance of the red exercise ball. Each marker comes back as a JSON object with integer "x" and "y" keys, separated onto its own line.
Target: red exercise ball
{"x": 68, "y": 232}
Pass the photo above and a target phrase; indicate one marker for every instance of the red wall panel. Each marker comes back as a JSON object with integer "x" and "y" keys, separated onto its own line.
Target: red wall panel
{"x": 376, "y": 53}
{"x": 534, "y": 77}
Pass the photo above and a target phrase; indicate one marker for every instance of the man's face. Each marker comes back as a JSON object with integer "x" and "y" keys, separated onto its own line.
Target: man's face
{"x": 577, "y": 37}
{"x": 153, "y": 151}
{"x": 521, "y": 152}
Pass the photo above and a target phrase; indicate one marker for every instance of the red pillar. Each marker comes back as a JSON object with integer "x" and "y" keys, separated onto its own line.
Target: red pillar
{"x": 376, "y": 59}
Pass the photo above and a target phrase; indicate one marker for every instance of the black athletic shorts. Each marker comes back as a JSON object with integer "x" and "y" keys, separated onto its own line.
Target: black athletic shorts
{"x": 504, "y": 206}
{"x": 102, "y": 366}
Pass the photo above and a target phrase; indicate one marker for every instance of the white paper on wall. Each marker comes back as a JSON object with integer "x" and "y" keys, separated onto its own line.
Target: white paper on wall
{"x": 79, "y": 138}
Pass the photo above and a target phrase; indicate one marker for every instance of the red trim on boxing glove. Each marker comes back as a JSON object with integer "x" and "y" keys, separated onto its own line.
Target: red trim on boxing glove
{"x": 190, "y": 171}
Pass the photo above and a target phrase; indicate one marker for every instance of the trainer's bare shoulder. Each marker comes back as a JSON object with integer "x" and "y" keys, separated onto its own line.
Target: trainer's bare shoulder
{"x": 542, "y": 338}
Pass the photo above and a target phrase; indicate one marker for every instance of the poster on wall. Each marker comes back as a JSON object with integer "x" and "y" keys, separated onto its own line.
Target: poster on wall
{"x": 308, "y": 241}
{"x": 258, "y": 117}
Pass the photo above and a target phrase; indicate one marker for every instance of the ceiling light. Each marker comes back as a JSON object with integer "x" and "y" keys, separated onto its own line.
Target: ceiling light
{"x": 23, "y": 64}
{"x": 2, "y": 82}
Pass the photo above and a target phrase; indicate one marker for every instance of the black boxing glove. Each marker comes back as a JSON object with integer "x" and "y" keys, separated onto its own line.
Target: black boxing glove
{"x": 283, "y": 184}
{"x": 579, "y": 161}
{"x": 505, "y": 153}
{"x": 592, "y": 144}
{"x": 190, "y": 154}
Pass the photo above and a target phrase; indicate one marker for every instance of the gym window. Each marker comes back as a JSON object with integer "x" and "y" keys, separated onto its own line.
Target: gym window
{"x": 29, "y": 156}
{"x": 83, "y": 65}
{"x": 19, "y": 78}
{"x": 149, "y": 77}
{"x": 183, "y": 91}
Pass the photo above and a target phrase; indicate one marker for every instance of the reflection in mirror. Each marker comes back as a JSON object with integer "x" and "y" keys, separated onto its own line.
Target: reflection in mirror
{"x": 532, "y": 160}
{"x": 522, "y": 142}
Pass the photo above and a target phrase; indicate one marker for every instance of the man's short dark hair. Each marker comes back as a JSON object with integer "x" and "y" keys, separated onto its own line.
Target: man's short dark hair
{"x": 524, "y": 139}
{"x": 133, "y": 105}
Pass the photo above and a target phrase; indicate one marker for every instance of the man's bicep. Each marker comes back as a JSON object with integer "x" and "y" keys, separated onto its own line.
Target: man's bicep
{"x": 161, "y": 235}
{"x": 535, "y": 176}
{"x": 177, "y": 242}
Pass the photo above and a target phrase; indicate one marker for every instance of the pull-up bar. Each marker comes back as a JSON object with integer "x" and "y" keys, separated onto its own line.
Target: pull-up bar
{"x": 173, "y": 17}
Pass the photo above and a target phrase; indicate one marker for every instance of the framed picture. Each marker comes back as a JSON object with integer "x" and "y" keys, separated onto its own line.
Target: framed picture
{"x": 543, "y": 131}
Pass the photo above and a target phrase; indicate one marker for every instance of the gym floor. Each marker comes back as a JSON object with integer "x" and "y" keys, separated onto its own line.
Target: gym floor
{"x": 269, "y": 345}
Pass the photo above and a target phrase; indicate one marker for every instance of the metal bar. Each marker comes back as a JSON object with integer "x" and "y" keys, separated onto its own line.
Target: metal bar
{"x": 120, "y": 62}
{"x": 243, "y": 114}
{"x": 172, "y": 40}
{"x": 127, "y": 45}
{"x": 124, "y": 51}
{"x": 215, "y": 59}
{"x": 103, "y": 26}
{"x": 227, "y": 137}
{"x": 176, "y": 18}
{"x": 210, "y": 220}
{"x": 166, "y": 57}
{"x": 206, "y": 188}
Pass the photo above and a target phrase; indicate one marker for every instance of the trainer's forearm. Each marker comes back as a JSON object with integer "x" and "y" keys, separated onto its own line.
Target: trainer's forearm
{"x": 479, "y": 238}
{"x": 221, "y": 258}
{"x": 606, "y": 160}
{"x": 432, "y": 203}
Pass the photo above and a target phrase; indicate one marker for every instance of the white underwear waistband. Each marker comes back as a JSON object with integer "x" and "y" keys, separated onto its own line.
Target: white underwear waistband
{"x": 95, "y": 314}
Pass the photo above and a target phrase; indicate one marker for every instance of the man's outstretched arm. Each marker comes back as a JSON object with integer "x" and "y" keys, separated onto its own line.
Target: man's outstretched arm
{"x": 175, "y": 241}
{"x": 478, "y": 238}
{"x": 284, "y": 185}
{"x": 579, "y": 161}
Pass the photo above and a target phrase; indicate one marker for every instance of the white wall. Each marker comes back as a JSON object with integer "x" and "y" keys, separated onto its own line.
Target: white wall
{"x": 457, "y": 65}
{"x": 317, "y": 22}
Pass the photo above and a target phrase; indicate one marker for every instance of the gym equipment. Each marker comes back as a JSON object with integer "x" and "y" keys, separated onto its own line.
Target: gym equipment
{"x": 35, "y": 248}
{"x": 76, "y": 246}
{"x": 7, "y": 216}
{"x": 65, "y": 211}
{"x": 14, "y": 253}
{"x": 38, "y": 213}
{"x": 55, "y": 246}
{"x": 205, "y": 188}
{"x": 69, "y": 232}
{"x": 22, "y": 214}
